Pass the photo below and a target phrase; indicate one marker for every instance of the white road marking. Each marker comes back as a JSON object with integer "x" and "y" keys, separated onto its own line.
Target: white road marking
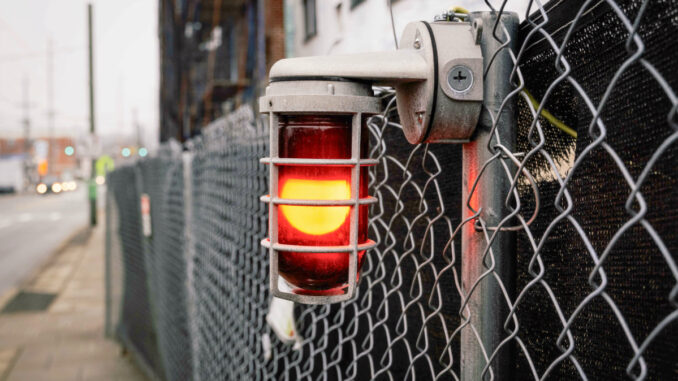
{"x": 27, "y": 217}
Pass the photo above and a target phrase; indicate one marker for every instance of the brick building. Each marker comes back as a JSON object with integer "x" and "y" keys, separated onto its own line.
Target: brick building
{"x": 54, "y": 153}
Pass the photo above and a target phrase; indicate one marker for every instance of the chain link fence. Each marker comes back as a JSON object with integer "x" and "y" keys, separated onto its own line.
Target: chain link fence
{"x": 591, "y": 207}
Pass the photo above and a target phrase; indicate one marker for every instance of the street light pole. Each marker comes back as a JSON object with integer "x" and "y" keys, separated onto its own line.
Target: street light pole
{"x": 92, "y": 184}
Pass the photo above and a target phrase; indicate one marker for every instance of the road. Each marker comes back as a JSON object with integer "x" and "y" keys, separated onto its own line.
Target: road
{"x": 32, "y": 227}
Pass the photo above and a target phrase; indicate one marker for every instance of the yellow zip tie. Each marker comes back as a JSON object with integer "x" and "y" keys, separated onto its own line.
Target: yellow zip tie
{"x": 459, "y": 10}
{"x": 545, "y": 113}
{"x": 550, "y": 117}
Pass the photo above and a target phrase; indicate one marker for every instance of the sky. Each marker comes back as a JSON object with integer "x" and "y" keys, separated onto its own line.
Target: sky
{"x": 125, "y": 61}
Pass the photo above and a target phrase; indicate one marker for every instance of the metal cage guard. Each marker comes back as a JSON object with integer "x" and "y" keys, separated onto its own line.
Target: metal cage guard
{"x": 329, "y": 103}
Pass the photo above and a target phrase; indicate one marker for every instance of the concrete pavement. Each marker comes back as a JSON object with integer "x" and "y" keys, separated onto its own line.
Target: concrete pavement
{"x": 31, "y": 228}
{"x": 66, "y": 341}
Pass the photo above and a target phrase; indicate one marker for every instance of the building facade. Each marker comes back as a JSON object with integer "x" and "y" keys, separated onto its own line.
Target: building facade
{"x": 214, "y": 56}
{"x": 321, "y": 27}
{"x": 44, "y": 156}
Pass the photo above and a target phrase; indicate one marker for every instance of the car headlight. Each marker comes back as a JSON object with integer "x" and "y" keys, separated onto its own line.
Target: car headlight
{"x": 56, "y": 188}
{"x": 68, "y": 185}
{"x": 41, "y": 188}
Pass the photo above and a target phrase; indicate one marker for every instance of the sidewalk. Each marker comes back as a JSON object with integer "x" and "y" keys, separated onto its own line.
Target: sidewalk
{"x": 66, "y": 341}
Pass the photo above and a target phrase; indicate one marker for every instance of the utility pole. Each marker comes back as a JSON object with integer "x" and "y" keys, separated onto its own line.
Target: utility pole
{"x": 121, "y": 103}
{"x": 27, "y": 133}
{"x": 50, "y": 108}
{"x": 137, "y": 127}
{"x": 92, "y": 184}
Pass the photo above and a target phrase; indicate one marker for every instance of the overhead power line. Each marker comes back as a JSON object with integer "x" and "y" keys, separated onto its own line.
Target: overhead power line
{"x": 42, "y": 55}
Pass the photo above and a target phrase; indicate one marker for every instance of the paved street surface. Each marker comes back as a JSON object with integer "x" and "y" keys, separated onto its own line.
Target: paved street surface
{"x": 66, "y": 341}
{"x": 33, "y": 226}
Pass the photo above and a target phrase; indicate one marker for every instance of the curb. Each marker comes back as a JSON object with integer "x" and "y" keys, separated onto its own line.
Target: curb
{"x": 42, "y": 266}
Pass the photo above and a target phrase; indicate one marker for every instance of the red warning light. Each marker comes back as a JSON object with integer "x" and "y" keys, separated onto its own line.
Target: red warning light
{"x": 318, "y": 137}
{"x": 318, "y": 178}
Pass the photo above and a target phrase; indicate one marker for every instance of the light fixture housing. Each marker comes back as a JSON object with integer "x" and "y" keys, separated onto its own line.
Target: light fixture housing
{"x": 318, "y": 202}
{"x": 317, "y": 199}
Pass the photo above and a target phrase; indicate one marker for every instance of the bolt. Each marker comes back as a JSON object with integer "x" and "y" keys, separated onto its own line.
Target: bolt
{"x": 417, "y": 44}
{"x": 460, "y": 78}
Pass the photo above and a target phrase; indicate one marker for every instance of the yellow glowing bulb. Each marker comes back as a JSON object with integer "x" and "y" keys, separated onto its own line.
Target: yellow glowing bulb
{"x": 315, "y": 220}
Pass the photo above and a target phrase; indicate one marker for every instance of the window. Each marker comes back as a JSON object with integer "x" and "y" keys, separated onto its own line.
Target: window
{"x": 309, "y": 19}
{"x": 355, "y": 3}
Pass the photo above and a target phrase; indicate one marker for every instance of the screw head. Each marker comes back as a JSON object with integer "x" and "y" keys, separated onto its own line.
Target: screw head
{"x": 417, "y": 44}
{"x": 460, "y": 78}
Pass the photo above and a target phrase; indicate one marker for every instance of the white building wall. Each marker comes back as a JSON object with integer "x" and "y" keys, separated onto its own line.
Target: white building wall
{"x": 367, "y": 27}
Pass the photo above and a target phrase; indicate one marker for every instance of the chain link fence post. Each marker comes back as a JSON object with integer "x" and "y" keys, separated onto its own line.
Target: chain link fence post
{"x": 108, "y": 281}
{"x": 488, "y": 272}
{"x": 189, "y": 253}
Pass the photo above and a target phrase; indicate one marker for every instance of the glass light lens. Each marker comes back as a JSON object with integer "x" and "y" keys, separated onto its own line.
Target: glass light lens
{"x": 317, "y": 137}
{"x": 315, "y": 220}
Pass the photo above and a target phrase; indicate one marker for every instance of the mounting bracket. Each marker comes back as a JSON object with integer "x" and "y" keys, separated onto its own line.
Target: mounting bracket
{"x": 437, "y": 73}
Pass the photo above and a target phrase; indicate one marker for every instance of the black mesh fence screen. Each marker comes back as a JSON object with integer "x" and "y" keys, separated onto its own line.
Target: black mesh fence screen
{"x": 136, "y": 320}
{"x": 595, "y": 216}
{"x": 638, "y": 120}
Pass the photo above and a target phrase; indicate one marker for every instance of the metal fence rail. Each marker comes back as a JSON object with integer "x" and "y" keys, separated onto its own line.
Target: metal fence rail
{"x": 591, "y": 206}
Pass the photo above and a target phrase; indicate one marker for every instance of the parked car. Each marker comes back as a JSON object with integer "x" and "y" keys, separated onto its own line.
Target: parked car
{"x": 49, "y": 184}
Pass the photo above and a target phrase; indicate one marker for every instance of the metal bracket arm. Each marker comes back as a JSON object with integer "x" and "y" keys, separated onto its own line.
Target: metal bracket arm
{"x": 381, "y": 68}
